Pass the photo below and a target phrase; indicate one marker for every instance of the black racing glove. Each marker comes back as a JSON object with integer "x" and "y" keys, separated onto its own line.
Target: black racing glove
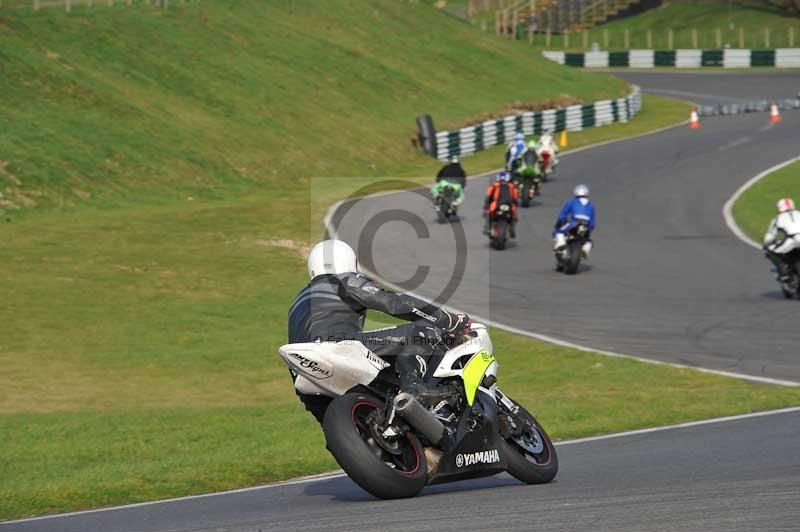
{"x": 461, "y": 325}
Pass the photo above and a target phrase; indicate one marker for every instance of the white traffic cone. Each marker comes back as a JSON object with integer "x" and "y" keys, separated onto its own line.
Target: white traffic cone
{"x": 694, "y": 120}
{"x": 774, "y": 114}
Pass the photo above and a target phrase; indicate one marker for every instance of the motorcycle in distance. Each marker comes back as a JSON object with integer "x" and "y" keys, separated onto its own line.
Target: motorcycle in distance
{"x": 546, "y": 157}
{"x": 791, "y": 286}
{"x": 568, "y": 258}
{"x": 500, "y": 226}
{"x": 393, "y": 445}
{"x": 446, "y": 204}
{"x": 526, "y": 177}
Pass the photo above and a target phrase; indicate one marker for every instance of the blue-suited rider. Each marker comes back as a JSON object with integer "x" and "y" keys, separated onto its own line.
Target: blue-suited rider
{"x": 578, "y": 209}
{"x": 515, "y": 151}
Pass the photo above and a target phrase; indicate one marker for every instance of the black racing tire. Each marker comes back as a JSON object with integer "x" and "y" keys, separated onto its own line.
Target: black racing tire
{"x": 366, "y": 463}
{"x": 501, "y": 229}
{"x": 526, "y": 201}
{"x": 440, "y": 217}
{"x": 531, "y": 468}
{"x": 574, "y": 259}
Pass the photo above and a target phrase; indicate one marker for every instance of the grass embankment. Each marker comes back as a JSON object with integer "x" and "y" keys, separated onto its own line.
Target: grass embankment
{"x": 756, "y": 207}
{"x": 140, "y": 322}
{"x": 110, "y": 105}
{"x": 683, "y": 16}
{"x": 754, "y": 19}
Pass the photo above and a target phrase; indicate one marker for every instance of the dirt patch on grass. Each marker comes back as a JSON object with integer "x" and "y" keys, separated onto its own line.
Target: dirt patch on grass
{"x": 82, "y": 194}
{"x": 301, "y": 249}
{"x": 519, "y": 107}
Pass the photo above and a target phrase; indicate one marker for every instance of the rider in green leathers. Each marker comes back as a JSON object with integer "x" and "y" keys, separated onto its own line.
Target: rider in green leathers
{"x": 528, "y": 168}
{"x": 451, "y": 175}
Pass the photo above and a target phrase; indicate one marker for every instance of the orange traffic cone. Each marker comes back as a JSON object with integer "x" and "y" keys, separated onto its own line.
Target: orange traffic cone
{"x": 774, "y": 114}
{"x": 694, "y": 120}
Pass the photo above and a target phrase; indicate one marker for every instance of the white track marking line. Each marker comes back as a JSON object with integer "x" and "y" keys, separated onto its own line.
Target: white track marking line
{"x": 564, "y": 343}
{"x": 682, "y": 425}
{"x": 727, "y": 209}
{"x": 303, "y": 480}
{"x": 339, "y": 474}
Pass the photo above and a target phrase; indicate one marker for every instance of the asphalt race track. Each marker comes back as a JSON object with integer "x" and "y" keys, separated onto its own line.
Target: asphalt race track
{"x": 667, "y": 279}
{"x": 732, "y": 476}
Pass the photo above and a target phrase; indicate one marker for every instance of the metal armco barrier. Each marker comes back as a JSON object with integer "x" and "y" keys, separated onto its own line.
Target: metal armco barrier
{"x": 726, "y": 58}
{"x": 468, "y": 140}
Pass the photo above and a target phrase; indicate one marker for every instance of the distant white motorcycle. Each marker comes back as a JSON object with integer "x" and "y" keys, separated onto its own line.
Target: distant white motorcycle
{"x": 548, "y": 155}
{"x": 392, "y": 445}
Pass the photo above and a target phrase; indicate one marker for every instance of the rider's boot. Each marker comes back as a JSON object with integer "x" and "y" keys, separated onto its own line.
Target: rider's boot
{"x": 784, "y": 272}
{"x": 559, "y": 241}
{"x": 512, "y": 229}
{"x": 586, "y": 249}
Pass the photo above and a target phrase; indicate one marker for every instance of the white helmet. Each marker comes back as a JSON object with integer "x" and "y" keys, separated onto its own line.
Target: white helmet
{"x": 331, "y": 256}
{"x": 519, "y": 137}
{"x": 581, "y": 191}
{"x": 785, "y": 205}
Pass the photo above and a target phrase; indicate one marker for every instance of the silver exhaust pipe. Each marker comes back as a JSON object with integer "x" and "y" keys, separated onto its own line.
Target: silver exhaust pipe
{"x": 418, "y": 417}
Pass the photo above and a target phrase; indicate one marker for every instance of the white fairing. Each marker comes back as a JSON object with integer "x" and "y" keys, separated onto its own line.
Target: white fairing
{"x": 479, "y": 343}
{"x": 330, "y": 368}
{"x": 789, "y": 223}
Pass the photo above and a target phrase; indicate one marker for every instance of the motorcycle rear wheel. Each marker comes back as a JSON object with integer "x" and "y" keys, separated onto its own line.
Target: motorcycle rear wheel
{"x": 531, "y": 456}
{"x": 398, "y": 474}
{"x": 499, "y": 236}
{"x": 574, "y": 258}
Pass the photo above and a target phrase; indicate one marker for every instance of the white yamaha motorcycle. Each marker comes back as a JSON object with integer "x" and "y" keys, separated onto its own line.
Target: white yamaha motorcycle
{"x": 392, "y": 445}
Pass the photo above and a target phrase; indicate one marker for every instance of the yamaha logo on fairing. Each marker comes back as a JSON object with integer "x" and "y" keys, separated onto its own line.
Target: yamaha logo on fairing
{"x": 481, "y": 457}
{"x": 311, "y": 367}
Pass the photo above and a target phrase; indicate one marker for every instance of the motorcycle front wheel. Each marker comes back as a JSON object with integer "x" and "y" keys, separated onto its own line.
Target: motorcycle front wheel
{"x": 387, "y": 469}
{"x": 530, "y": 455}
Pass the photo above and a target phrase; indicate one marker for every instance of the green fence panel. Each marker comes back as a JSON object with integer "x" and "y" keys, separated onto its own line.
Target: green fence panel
{"x": 762, "y": 58}
{"x": 537, "y": 123}
{"x": 664, "y": 58}
{"x": 712, "y": 58}
{"x": 561, "y": 119}
{"x": 501, "y": 132}
{"x": 575, "y": 60}
{"x": 618, "y": 59}
{"x": 587, "y": 116}
{"x": 479, "y": 137}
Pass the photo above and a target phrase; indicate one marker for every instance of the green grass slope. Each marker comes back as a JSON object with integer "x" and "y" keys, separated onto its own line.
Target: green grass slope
{"x": 705, "y": 16}
{"x": 237, "y": 95}
{"x": 756, "y": 208}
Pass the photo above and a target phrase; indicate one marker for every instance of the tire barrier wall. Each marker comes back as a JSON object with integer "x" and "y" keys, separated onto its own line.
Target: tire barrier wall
{"x": 471, "y": 139}
{"x": 753, "y": 106}
{"x": 727, "y": 58}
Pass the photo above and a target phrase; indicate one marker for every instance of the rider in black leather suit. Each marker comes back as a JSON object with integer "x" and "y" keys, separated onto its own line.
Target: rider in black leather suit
{"x": 333, "y": 307}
